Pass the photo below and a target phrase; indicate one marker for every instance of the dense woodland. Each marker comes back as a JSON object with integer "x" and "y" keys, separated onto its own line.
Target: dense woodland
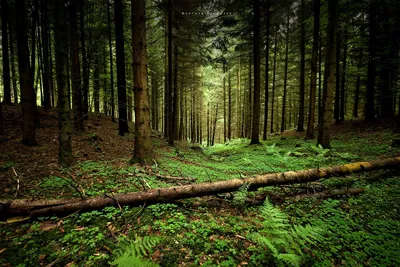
{"x": 93, "y": 89}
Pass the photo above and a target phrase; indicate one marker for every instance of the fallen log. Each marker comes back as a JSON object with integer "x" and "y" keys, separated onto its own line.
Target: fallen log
{"x": 162, "y": 195}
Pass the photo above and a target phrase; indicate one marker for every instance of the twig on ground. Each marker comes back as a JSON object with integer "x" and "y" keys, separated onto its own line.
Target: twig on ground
{"x": 17, "y": 179}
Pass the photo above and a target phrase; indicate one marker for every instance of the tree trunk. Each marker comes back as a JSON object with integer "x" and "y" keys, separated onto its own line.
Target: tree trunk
{"x": 300, "y": 125}
{"x": 85, "y": 69}
{"x": 112, "y": 101}
{"x": 6, "y": 62}
{"x": 324, "y": 131}
{"x": 175, "y": 111}
{"x": 238, "y": 101}
{"x": 46, "y": 63}
{"x": 249, "y": 106}
{"x": 314, "y": 69}
{"x": 370, "y": 102}
{"x": 76, "y": 69}
{"x": 169, "y": 194}
{"x": 255, "y": 134}
{"x": 286, "y": 73}
{"x": 35, "y": 14}
{"x": 25, "y": 77}
{"x": 142, "y": 150}
{"x": 229, "y": 106}
{"x": 224, "y": 85}
{"x": 96, "y": 84}
{"x": 320, "y": 79}
{"x": 336, "y": 111}
{"x": 65, "y": 127}
{"x": 105, "y": 90}
{"x": 12, "y": 56}
{"x": 267, "y": 35}
{"x": 274, "y": 80}
{"x": 215, "y": 125}
{"x": 169, "y": 114}
{"x": 1, "y": 119}
{"x": 121, "y": 75}
{"x": 343, "y": 83}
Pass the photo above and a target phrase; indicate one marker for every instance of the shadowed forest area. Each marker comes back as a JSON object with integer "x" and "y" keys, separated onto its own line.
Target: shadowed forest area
{"x": 199, "y": 133}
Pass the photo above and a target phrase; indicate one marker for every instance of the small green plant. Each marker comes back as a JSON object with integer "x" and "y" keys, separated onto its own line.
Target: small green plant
{"x": 283, "y": 241}
{"x": 241, "y": 194}
{"x": 132, "y": 255}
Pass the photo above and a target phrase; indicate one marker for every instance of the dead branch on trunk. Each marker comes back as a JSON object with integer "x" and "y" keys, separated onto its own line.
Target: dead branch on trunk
{"x": 162, "y": 195}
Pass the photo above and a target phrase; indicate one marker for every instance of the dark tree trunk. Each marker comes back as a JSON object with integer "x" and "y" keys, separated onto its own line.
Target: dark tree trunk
{"x": 314, "y": 69}
{"x": 370, "y": 102}
{"x": 249, "y": 102}
{"x": 175, "y": 111}
{"x": 300, "y": 125}
{"x": 76, "y": 69}
{"x": 105, "y": 85}
{"x": 343, "y": 83}
{"x": 336, "y": 111}
{"x": 46, "y": 64}
{"x": 25, "y": 77}
{"x": 286, "y": 73}
{"x": 35, "y": 17}
{"x": 255, "y": 134}
{"x": 267, "y": 35}
{"x": 170, "y": 116}
{"x": 229, "y": 106}
{"x": 61, "y": 47}
{"x": 143, "y": 147}
{"x": 121, "y": 75}
{"x": 112, "y": 101}
{"x": 215, "y": 125}
{"x": 1, "y": 119}
{"x": 12, "y": 56}
{"x": 85, "y": 69}
{"x": 53, "y": 101}
{"x": 324, "y": 131}
{"x": 96, "y": 84}
{"x": 274, "y": 80}
{"x": 6, "y": 62}
{"x": 320, "y": 79}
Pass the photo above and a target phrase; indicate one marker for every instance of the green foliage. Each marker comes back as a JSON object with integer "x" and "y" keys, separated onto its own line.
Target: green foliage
{"x": 283, "y": 241}
{"x": 132, "y": 255}
{"x": 241, "y": 194}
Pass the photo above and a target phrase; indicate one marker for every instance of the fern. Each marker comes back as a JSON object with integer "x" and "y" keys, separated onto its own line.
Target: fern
{"x": 132, "y": 255}
{"x": 284, "y": 241}
{"x": 241, "y": 194}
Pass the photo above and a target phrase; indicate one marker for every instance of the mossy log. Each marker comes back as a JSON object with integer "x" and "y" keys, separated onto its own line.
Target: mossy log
{"x": 162, "y": 195}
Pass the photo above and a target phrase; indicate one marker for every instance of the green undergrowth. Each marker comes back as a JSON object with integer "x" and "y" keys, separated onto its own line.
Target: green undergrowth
{"x": 357, "y": 230}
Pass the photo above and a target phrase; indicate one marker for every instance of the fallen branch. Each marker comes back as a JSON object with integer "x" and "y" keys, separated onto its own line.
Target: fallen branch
{"x": 161, "y": 195}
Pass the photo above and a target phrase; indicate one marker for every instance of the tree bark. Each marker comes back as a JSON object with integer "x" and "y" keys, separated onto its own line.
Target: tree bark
{"x": 274, "y": 80}
{"x": 314, "y": 69}
{"x": 121, "y": 75}
{"x": 25, "y": 78}
{"x": 175, "y": 111}
{"x": 85, "y": 69}
{"x": 65, "y": 127}
{"x": 162, "y": 195}
{"x": 142, "y": 150}
{"x": 224, "y": 88}
{"x": 267, "y": 36}
{"x": 169, "y": 114}
{"x": 336, "y": 111}
{"x": 96, "y": 84}
{"x": 255, "y": 133}
{"x": 229, "y": 106}
{"x": 300, "y": 125}
{"x": 324, "y": 135}
{"x": 12, "y": 56}
{"x": 76, "y": 69}
{"x": 6, "y": 61}
{"x": 283, "y": 127}
{"x": 112, "y": 101}
{"x": 343, "y": 82}
{"x": 46, "y": 63}
{"x": 370, "y": 103}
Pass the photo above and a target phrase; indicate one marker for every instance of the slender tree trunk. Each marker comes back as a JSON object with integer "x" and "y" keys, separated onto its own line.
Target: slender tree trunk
{"x": 12, "y": 56}
{"x": 35, "y": 14}
{"x": 182, "y": 112}
{"x": 170, "y": 92}
{"x": 61, "y": 46}
{"x": 286, "y": 73}
{"x": 25, "y": 77}
{"x": 229, "y": 106}
{"x": 314, "y": 69}
{"x": 336, "y": 111}
{"x": 320, "y": 79}
{"x": 370, "y": 102}
{"x": 255, "y": 135}
{"x": 143, "y": 148}
{"x": 85, "y": 69}
{"x": 105, "y": 90}
{"x": 166, "y": 88}
{"x": 224, "y": 85}
{"x": 324, "y": 135}
{"x": 250, "y": 102}
{"x": 267, "y": 35}
{"x": 215, "y": 125}
{"x": 53, "y": 101}
{"x": 96, "y": 84}
{"x": 1, "y": 119}
{"x": 208, "y": 124}
{"x": 300, "y": 125}
{"x": 112, "y": 101}
{"x": 343, "y": 83}
{"x": 175, "y": 96}
{"x": 238, "y": 101}
{"x": 76, "y": 69}
{"x": 274, "y": 80}
{"x": 46, "y": 63}
{"x": 121, "y": 75}
{"x": 6, "y": 62}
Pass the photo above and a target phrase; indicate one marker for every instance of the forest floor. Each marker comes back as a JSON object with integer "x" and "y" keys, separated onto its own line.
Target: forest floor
{"x": 357, "y": 230}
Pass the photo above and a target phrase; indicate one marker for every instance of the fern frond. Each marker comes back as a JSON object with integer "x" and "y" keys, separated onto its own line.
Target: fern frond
{"x": 290, "y": 259}
{"x": 132, "y": 255}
